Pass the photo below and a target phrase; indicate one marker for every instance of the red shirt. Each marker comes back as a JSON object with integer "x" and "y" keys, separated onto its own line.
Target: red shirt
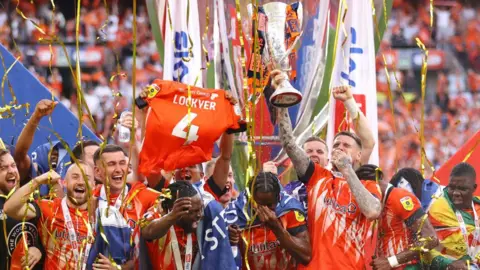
{"x": 54, "y": 234}
{"x": 401, "y": 209}
{"x": 338, "y": 230}
{"x": 165, "y": 145}
{"x": 264, "y": 251}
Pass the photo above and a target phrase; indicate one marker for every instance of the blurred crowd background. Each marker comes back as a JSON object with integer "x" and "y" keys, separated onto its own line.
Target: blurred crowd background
{"x": 452, "y": 87}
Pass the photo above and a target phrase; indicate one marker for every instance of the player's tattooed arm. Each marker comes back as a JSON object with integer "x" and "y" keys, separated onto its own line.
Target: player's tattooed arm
{"x": 369, "y": 205}
{"x": 299, "y": 158}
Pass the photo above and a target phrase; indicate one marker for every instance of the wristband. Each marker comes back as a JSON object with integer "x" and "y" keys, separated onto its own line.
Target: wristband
{"x": 392, "y": 260}
{"x": 352, "y": 107}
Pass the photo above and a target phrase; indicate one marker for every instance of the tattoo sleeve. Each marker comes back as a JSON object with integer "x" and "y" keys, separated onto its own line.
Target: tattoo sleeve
{"x": 369, "y": 205}
{"x": 299, "y": 158}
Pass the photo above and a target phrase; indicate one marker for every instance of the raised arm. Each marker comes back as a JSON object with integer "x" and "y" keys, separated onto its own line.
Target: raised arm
{"x": 222, "y": 165}
{"x": 17, "y": 206}
{"x": 369, "y": 205}
{"x": 44, "y": 107}
{"x": 361, "y": 126}
{"x": 299, "y": 158}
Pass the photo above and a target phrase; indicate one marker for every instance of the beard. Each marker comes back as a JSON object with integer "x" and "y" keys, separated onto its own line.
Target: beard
{"x": 76, "y": 200}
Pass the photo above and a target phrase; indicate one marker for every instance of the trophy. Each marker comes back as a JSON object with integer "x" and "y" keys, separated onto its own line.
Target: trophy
{"x": 281, "y": 32}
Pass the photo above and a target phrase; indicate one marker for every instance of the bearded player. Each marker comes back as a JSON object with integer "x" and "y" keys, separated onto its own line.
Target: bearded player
{"x": 64, "y": 222}
{"x": 340, "y": 206}
{"x": 9, "y": 227}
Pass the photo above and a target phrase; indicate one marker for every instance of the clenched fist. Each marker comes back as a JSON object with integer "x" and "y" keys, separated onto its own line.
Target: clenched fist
{"x": 342, "y": 93}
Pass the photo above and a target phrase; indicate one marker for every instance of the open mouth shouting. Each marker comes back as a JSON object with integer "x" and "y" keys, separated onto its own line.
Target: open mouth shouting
{"x": 117, "y": 179}
{"x": 11, "y": 181}
{"x": 79, "y": 191}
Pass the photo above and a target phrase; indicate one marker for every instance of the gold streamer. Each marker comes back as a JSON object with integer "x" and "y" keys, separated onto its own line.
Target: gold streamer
{"x": 205, "y": 32}
{"x": 423, "y": 88}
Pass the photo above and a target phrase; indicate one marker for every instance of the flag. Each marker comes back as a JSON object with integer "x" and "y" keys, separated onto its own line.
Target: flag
{"x": 355, "y": 66}
{"x": 27, "y": 89}
{"x": 183, "y": 54}
{"x": 470, "y": 153}
{"x": 212, "y": 233}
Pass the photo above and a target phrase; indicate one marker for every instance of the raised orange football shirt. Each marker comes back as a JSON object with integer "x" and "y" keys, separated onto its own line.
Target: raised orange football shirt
{"x": 180, "y": 133}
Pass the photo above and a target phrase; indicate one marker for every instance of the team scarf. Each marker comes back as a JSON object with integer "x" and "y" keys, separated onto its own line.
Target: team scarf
{"x": 114, "y": 234}
{"x": 443, "y": 216}
{"x": 238, "y": 213}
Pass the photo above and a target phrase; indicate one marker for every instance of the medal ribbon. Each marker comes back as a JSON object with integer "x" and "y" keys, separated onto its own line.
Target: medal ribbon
{"x": 463, "y": 228}
{"x": 176, "y": 251}
{"x": 73, "y": 236}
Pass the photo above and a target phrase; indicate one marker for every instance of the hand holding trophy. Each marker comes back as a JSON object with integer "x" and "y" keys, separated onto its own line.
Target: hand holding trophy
{"x": 281, "y": 32}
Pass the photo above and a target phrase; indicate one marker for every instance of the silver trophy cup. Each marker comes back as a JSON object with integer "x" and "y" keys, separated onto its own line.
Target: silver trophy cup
{"x": 277, "y": 53}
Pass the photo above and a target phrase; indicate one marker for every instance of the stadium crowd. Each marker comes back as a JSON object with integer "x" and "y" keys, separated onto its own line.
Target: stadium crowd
{"x": 193, "y": 218}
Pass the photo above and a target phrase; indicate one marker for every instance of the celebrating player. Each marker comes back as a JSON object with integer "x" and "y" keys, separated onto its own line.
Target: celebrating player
{"x": 455, "y": 219}
{"x": 278, "y": 237}
{"x": 339, "y": 204}
{"x": 10, "y": 227}
{"x": 131, "y": 200}
{"x": 196, "y": 234}
{"x": 65, "y": 224}
{"x": 405, "y": 233}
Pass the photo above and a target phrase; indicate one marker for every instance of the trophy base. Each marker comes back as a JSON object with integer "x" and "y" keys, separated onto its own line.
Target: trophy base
{"x": 284, "y": 98}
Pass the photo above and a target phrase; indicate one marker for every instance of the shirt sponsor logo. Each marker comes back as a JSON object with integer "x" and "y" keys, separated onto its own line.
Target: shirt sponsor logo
{"x": 351, "y": 208}
{"x": 264, "y": 247}
{"x": 30, "y": 231}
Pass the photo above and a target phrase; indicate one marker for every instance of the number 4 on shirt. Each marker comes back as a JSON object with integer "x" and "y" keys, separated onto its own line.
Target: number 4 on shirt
{"x": 179, "y": 129}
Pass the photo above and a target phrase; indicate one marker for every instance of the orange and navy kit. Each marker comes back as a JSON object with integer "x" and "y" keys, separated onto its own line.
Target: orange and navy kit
{"x": 264, "y": 251}
{"x": 401, "y": 209}
{"x": 55, "y": 236}
{"x": 338, "y": 230}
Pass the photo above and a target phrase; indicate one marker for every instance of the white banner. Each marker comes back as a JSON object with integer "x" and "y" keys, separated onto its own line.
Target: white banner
{"x": 355, "y": 66}
{"x": 179, "y": 65}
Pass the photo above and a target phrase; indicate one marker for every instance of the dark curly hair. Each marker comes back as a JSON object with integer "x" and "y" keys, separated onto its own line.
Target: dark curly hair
{"x": 183, "y": 189}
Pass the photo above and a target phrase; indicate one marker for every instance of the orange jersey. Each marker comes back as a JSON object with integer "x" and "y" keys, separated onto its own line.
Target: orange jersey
{"x": 137, "y": 202}
{"x": 264, "y": 251}
{"x": 165, "y": 258}
{"x": 54, "y": 233}
{"x": 338, "y": 230}
{"x": 401, "y": 209}
{"x": 169, "y": 122}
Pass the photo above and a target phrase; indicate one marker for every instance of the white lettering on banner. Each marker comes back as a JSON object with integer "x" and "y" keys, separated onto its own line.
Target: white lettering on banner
{"x": 209, "y": 238}
{"x": 353, "y": 65}
{"x": 196, "y": 103}
{"x": 218, "y": 227}
{"x": 180, "y": 69}
{"x": 232, "y": 213}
